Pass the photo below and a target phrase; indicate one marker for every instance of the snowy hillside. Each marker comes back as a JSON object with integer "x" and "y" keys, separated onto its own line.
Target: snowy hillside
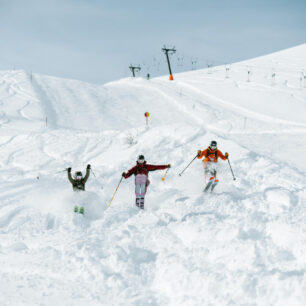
{"x": 244, "y": 244}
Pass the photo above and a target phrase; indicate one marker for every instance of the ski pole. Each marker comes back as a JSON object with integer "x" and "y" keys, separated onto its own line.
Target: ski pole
{"x": 37, "y": 177}
{"x": 114, "y": 193}
{"x": 96, "y": 178}
{"x": 93, "y": 173}
{"x": 231, "y": 169}
{"x": 61, "y": 171}
{"x": 163, "y": 178}
{"x": 188, "y": 165}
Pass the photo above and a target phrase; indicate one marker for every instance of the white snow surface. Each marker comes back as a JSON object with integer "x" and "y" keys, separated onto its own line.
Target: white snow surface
{"x": 244, "y": 244}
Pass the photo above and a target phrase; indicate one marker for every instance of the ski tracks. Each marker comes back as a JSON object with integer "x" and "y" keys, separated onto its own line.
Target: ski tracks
{"x": 19, "y": 88}
{"x": 235, "y": 108}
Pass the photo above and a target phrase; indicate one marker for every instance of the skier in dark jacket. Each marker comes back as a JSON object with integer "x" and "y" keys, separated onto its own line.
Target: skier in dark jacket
{"x": 141, "y": 171}
{"x": 78, "y": 182}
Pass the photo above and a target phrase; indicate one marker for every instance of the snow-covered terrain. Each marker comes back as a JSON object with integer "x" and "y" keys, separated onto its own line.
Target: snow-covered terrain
{"x": 245, "y": 244}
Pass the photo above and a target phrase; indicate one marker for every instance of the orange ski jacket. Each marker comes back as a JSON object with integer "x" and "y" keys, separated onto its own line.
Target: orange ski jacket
{"x": 211, "y": 155}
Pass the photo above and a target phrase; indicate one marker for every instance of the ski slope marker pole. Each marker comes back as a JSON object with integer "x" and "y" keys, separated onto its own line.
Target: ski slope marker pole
{"x": 188, "y": 165}
{"x": 231, "y": 169}
{"x": 147, "y": 114}
{"x": 114, "y": 193}
{"x": 163, "y": 178}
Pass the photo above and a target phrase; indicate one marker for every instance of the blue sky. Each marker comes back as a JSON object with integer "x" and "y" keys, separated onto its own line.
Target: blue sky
{"x": 96, "y": 41}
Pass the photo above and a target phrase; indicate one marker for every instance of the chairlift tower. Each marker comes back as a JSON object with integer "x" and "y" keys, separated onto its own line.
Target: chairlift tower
{"x": 133, "y": 69}
{"x": 227, "y": 71}
{"x": 194, "y": 64}
{"x": 172, "y": 51}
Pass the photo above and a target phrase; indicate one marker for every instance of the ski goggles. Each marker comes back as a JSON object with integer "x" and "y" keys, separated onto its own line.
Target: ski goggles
{"x": 78, "y": 177}
{"x": 213, "y": 147}
{"x": 141, "y": 161}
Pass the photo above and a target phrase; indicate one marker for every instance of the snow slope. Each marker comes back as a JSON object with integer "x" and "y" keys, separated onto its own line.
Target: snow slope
{"x": 242, "y": 245}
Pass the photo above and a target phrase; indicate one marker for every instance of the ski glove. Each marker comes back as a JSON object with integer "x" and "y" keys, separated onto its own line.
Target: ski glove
{"x": 226, "y": 155}
{"x": 169, "y": 166}
{"x": 123, "y": 174}
{"x": 199, "y": 153}
{"x": 88, "y": 166}
{"x": 69, "y": 169}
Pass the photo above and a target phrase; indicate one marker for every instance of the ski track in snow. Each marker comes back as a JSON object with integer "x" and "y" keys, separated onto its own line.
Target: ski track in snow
{"x": 242, "y": 245}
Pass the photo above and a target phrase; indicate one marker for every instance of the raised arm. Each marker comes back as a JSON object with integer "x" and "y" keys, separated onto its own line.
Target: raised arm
{"x": 69, "y": 176}
{"x": 156, "y": 167}
{"x": 87, "y": 174}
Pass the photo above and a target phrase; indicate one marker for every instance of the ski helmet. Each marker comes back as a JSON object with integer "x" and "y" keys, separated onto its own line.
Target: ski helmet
{"x": 141, "y": 159}
{"x": 78, "y": 175}
{"x": 213, "y": 144}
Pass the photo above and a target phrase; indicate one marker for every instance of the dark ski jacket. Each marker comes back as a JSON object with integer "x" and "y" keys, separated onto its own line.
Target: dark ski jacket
{"x": 79, "y": 185}
{"x": 144, "y": 169}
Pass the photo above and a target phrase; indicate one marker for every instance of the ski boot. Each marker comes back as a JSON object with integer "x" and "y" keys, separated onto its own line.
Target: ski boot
{"x": 75, "y": 209}
{"x": 81, "y": 210}
{"x": 141, "y": 203}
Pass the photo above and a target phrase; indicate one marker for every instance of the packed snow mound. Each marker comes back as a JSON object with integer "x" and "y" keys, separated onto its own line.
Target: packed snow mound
{"x": 242, "y": 244}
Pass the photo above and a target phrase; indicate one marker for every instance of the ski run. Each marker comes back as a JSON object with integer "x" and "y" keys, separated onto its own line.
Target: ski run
{"x": 242, "y": 244}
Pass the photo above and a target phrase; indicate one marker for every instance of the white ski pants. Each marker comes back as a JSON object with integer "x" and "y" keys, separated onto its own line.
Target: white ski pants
{"x": 210, "y": 171}
{"x": 141, "y": 184}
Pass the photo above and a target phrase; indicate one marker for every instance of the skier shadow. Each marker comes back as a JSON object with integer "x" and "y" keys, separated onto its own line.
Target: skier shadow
{"x": 207, "y": 213}
{"x": 182, "y": 199}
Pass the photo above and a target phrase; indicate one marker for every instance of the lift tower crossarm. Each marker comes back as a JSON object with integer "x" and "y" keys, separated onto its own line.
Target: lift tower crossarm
{"x": 134, "y": 68}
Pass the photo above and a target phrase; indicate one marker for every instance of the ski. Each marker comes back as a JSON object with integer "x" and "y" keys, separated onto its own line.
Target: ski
{"x": 213, "y": 186}
{"x": 207, "y": 186}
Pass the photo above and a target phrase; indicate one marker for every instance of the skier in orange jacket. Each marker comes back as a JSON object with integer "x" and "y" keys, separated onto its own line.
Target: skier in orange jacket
{"x": 211, "y": 155}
